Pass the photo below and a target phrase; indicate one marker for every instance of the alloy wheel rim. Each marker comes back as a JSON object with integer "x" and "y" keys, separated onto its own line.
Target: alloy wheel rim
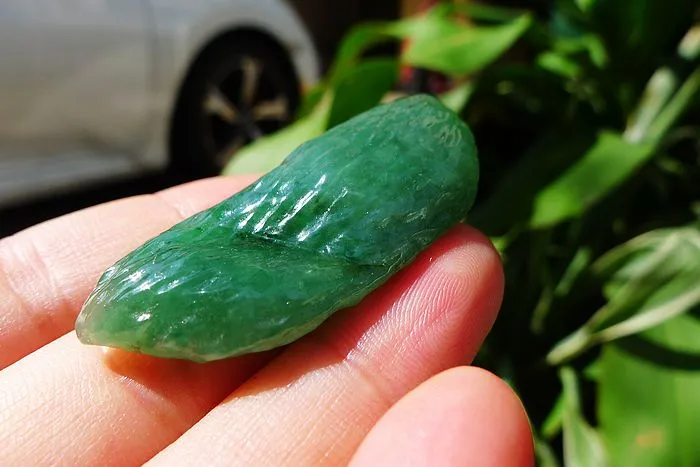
{"x": 241, "y": 105}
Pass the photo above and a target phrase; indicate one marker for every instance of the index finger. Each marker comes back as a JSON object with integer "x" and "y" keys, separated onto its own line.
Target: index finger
{"x": 47, "y": 271}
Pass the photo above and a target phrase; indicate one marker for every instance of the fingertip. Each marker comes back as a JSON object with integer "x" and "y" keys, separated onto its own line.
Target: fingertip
{"x": 465, "y": 283}
{"x": 462, "y": 416}
{"x": 488, "y": 259}
{"x": 472, "y": 255}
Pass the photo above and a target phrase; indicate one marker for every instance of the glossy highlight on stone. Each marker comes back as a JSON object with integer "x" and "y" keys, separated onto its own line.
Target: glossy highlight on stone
{"x": 340, "y": 216}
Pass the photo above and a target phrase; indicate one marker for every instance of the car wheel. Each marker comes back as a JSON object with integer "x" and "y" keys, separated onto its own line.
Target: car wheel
{"x": 236, "y": 93}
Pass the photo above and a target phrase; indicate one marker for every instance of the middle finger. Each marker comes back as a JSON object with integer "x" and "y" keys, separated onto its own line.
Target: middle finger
{"x": 68, "y": 402}
{"x": 314, "y": 403}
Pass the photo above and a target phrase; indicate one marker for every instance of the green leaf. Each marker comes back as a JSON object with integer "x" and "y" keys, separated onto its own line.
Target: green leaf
{"x": 555, "y": 420}
{"x": 689, "y": 48}
{"x": 664, "y": 99}
{"x": 544, "y": 454}
{"x": 511, "y": 202}
{"x": 678, "y": 104}
{"x": 559, "y": 64}
{"x": 582, "y": 444}
{"x": 592, "y": 371}
{"x": 585, "y": 5}
{"x": 440, "y": 43}
{"x": 578, "y": 264}
{"x": 650, "y": 280}
{"x": 658, "y": 92}
{"x": 470, "y": 48}
{"x": 460, "y": 48}
{"x": 576, "y": 267}
{"x": 361, "y": 88}
{"x": 312, "y": 98}
{"x": 267, "y": 153}
{"x": 362, "y": 37}
{"x": 649, "y": 403}
{"x": 456, "y": 98}
{"x": 355, "y": 90}
{"x": 638, "y": 32}
{"x": 605, "y": 166}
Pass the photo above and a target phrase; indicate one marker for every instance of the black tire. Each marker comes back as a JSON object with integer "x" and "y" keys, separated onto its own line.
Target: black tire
{"x": 216, "y": 112}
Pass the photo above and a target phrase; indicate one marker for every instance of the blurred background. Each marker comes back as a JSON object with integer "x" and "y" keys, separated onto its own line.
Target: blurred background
{"x": 101, "y": 99}
{"x": 587, "y": 118}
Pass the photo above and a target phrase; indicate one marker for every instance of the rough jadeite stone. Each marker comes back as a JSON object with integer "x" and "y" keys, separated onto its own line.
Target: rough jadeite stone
{"x": 341, "y": 215}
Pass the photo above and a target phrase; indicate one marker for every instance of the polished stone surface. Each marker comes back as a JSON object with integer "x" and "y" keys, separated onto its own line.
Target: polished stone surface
{"x": 341, "y": 215}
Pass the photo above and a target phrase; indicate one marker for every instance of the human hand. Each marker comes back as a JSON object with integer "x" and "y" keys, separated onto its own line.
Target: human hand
{"x": 380, "y": 384}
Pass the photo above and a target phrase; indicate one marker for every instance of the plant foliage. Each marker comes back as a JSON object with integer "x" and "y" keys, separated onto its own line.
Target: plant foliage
{"x": 587, "y": 123}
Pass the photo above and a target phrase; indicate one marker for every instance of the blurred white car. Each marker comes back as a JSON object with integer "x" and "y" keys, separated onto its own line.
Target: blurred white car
{"x": 96, "y": 89}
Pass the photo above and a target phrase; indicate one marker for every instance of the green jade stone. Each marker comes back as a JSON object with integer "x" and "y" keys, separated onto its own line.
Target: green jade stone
{"x": 341, "y": 215}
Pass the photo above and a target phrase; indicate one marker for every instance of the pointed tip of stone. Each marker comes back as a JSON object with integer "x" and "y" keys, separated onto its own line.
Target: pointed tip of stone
{"x": 84, "y": 326}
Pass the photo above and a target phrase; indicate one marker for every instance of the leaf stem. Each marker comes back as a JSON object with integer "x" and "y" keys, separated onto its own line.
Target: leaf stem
{"x": 570, "y": 347}
{"x": 675, "y": 108}
{"x": 663, "y": 102}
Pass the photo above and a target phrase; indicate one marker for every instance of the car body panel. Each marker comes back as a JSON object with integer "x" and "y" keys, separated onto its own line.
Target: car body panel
{"x": 57, "y": 68}
{"x": 184, "y": 29}
{"x": 87, "y": 87}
